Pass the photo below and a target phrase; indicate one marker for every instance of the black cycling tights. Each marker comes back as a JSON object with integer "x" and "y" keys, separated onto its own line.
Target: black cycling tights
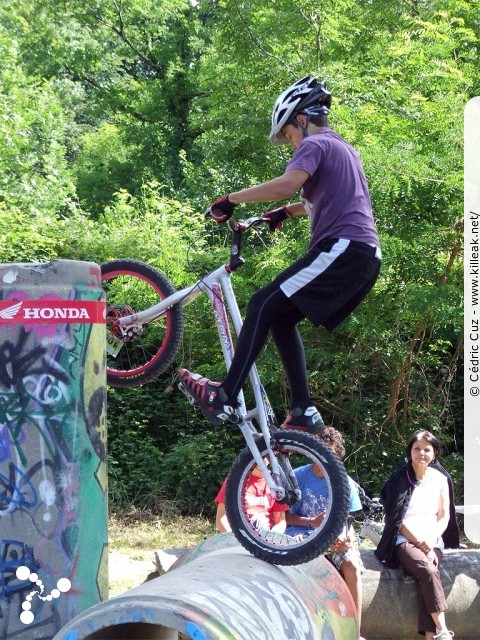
{"x": 269, "y": 309}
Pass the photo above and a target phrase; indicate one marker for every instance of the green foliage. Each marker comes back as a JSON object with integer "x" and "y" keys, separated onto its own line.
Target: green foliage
{"x": 34, "y": 176}
{"x": 122, "y": 121}
{"x": 104, "y": 165}
{"x": 195, "y": 468}
{"x": 126, "y": 72}
{"x": 134, "y": 464}
{"x": 28, "y": 236}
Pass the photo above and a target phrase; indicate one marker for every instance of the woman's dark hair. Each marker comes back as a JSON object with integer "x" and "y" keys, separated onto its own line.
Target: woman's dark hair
{"x": 429, "y": 437}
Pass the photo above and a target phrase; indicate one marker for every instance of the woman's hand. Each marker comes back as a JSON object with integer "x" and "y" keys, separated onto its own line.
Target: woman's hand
{"x": 432, "y": 556}
{"x": 426, "y": 546}
{"x": 423, "y": 546}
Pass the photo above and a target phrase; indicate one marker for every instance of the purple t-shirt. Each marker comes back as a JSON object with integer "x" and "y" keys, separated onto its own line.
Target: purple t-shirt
{"x": 336, "y": 193}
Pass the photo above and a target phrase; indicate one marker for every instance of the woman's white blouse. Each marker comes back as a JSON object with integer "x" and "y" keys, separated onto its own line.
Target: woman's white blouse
{"x": 422, "y": 512}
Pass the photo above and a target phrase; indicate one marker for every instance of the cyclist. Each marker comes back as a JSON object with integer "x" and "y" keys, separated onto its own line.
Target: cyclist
{"x": 329, "y": 281}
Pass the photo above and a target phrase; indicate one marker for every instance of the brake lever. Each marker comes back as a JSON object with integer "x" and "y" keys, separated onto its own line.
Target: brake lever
{"x": 235, "y": 225}
{"x": 232, "y": 224}
{"x": 254, "y": 221}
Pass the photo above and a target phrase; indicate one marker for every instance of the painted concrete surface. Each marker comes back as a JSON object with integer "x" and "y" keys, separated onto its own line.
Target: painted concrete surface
{"x": 390, "y": 606}
{"x": 218, "y": 591}
{"x": 53, "y": 474}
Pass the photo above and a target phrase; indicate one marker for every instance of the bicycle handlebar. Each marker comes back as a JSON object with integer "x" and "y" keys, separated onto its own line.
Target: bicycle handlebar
{"x": 237, "y": 227}
{"x": 373, "y": 504}
{"x": 240, "y": 225}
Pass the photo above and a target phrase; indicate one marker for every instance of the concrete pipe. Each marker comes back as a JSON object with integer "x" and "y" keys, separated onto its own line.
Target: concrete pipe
{"x": 218, "y": 591}
{"x": 53, "y": 472}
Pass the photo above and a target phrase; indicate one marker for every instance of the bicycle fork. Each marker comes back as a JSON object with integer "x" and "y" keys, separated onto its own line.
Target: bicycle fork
{"x": 281, "y": 474}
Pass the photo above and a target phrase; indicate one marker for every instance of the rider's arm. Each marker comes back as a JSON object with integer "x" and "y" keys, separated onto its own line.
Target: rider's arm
{"x": 281, "y": 188}
{"x": 296, "y": 209}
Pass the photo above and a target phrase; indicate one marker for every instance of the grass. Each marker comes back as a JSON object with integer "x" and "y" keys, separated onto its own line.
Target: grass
{"x": 136, "y": 535}
{"x": 142, "y": 530}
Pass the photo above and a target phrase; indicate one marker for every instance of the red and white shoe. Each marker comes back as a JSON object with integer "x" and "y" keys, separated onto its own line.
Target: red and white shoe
{"x": 208, "y": 395}
{"x": 308, "y": 420}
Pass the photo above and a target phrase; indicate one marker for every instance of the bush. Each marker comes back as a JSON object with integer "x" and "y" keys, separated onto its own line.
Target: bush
{"x": 134, "y": 465}
{"x": 193, "y": 471}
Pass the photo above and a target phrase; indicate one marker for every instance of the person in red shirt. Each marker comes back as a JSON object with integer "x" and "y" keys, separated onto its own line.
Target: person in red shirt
{"x": 262, "y": 508}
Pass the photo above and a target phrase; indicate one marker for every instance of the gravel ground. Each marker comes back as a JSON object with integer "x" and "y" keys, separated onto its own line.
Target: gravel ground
{"x": 126, "y": 572}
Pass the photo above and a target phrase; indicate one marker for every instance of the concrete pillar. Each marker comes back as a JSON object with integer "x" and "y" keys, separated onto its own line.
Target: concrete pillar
{"x": 53, "y": 474}
{"x": 218, "y": 591}
{"x": 390, "y": 602}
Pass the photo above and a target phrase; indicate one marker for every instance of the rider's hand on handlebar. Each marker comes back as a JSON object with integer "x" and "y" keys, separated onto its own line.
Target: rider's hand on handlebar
{"x": 222, "y": 209}
{"x": 276, "y": 217}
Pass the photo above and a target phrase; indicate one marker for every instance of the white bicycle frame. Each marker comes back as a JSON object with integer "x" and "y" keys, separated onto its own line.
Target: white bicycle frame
{"x": 371, "y": 529}
{"x": 218, "y": 287}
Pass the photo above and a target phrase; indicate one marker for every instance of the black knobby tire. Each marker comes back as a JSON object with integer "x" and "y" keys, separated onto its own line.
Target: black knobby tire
{"x": 132, "y": 286}
{"x": 299, "y": 448}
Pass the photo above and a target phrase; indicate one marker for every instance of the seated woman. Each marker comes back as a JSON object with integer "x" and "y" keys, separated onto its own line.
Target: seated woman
{"x": 419, "y": 522}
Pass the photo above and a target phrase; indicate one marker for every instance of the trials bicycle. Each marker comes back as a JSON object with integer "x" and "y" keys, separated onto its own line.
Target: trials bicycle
{"x": 144, "y": 331}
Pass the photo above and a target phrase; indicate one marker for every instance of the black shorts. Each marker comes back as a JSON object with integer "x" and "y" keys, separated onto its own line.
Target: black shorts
{"x": 331, "y": 280}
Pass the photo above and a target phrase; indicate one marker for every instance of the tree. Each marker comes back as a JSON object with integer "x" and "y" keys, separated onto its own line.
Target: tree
{"x": 125, "y": 71}
{"x": 34, "y": 176}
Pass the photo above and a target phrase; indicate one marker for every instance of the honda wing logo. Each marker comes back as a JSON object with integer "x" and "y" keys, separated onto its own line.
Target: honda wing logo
{"x": 10, "y": 312}
{"x": 60, "y": 311}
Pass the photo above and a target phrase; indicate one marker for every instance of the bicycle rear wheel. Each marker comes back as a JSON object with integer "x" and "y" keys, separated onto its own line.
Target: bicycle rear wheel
{"x": 142, "y": 355}
{"x": 293, "y": 449}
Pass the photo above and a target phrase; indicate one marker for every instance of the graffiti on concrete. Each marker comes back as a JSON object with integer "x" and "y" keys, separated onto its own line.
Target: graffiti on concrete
{"x": 52, "y": 470}
{"x": 24, "y": 573}
{"x": 303, "y": 609}
{"x": 217, "y": 591}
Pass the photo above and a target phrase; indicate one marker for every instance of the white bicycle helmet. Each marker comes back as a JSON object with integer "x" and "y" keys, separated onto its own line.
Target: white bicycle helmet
{"x": 306, "y": 95}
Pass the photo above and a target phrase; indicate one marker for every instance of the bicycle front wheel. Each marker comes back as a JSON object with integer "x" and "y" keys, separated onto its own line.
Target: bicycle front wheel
{"x": 293, "y": 450}
{"x": 147, "y": 351}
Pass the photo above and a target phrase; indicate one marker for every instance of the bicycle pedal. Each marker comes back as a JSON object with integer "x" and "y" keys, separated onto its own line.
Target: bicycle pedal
{"x": 188, "y": 395}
